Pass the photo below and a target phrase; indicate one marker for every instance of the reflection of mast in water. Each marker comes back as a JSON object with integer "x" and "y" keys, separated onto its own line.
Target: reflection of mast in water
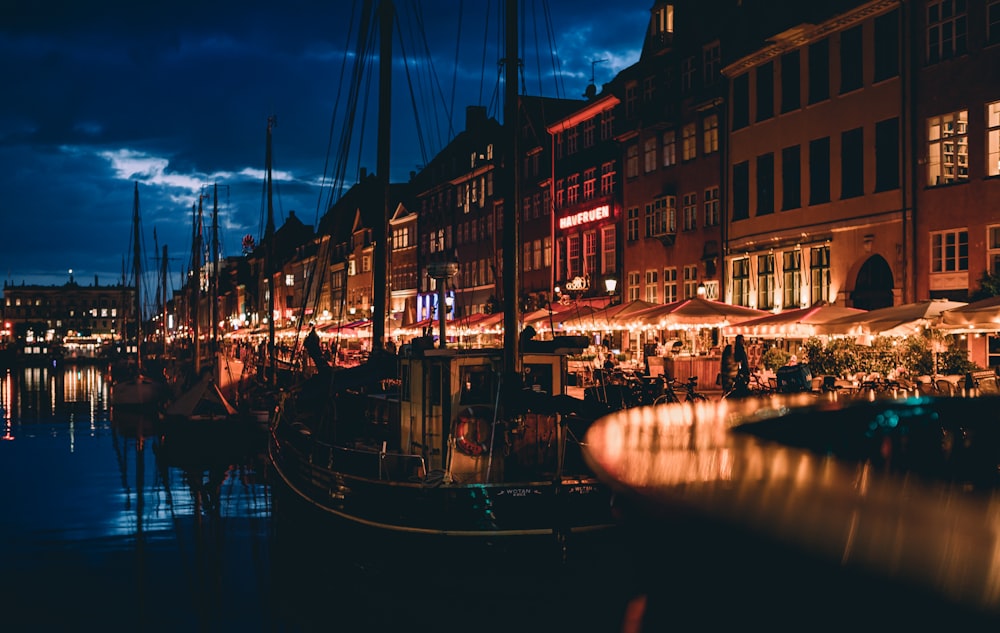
{"x": 134, "y": 427}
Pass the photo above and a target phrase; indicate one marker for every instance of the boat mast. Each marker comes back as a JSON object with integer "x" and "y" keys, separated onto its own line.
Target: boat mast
{"x": 163, "y": 298}
{"x": 269, "y": 252}
{"x": 511, "y": 224}
{"x": 137, "y": 272}
{"x": 196, "y": 291}
{"x": 380, "y": 290}
{"x": 214, "y": 294}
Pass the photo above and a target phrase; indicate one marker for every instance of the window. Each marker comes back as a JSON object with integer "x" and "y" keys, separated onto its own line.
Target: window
{"x": 852, "y": 163}
{"x": 949, "y": 251}
{"x": 608, "y": 249}
{"x": 607, "y": 124}
{"x": 993, "y": 139}
{"x": 559, "y": 144}
{"x": 648, "y": 90}
{"x": 547, "y": 250}
{"x": 690, "y": 281}
{"x": 526, "y": 258}
{"x": 791, "y": 178}
{"x": 560, "y": 193}
{"x": 946, "y": 29}
{"x": 662, "y": 23}
{"x": 573, "y": 189}
{"x": 819, "y": 171}
{"x": 765, "y": 184}
{"x": 741, "y": 282}
{"x": 851, "y": 57}
{"x": 538, "y": 254}
{"x": 652, "y": 285}
{"x": 741, "y": 190}
{"x": 765, "y": 91}
{"x": 590, "y": 253}
{"x": 633, "y": 285}
{"x": 993, "y": 249}
{"x": 289, "y": 280}
{"x": 573, "y": 140}
{"x": 712, "y": 206}
{"x": 741, "y": 101}
{"x": 632, "y": 224}
{"x": 632, "y": 161}
{"x": 669, "y": 148}
{"x": 661, "y": 216}
{"x": 791, "y": 85}
{"x": 649, "y": 155}
{"x": 765, "y": 281}
{"x": 687, "y": 74}
{"x": 819, "y": 272}
{"x": 689, "y": 212}
{"x": 630, "y": 98}
{"x": 887, "y": 155}
{"x": 710, "y": 134}
{"x": 689, "y": 142}
{"x": 993, "y": 22}
{"x": 791, "y": 277}
{"x": 574, "y": 260}
{"x": 607, "y": 178}
{"x": 589, "y": 182}
{"x": 669, "y": 285}
{"x": 588, "y": 132}
{"x": 819, "y": 71}
{"x": 887, "y": 45}
{"x": 948, "y": 148}
{"x": 711, "y": 62}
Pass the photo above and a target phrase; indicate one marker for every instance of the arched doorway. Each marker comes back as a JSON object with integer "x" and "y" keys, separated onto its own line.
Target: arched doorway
{"x": 873, "y": 285}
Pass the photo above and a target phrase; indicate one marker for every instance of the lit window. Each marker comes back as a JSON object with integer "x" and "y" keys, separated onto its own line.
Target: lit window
{"x": 651, "y": 286}
{"x": 993, "y": 139}
{"x": 765, "y": 281}
{"x": 669, "y": 285}
{"x": 949, "y": 251}
{"x": 689, "y": 142}
{"x": 710, "y": 134}
{"x": 649, "y": 155}
{"x": 689, "y": 212}
{"x": 993, "y": 249}
{"x": 948, "y": 148}
{"x": 669, "y": 148}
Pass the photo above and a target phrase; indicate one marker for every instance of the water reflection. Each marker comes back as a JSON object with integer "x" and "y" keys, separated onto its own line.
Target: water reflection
{"x": 37, "y": 394}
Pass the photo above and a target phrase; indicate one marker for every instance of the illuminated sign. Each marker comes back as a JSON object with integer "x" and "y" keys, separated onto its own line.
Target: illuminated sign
{"x": 591, "y": 215}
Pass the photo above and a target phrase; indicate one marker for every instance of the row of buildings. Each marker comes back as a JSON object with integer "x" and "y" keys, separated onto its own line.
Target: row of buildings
{"x": 767, "y": 154}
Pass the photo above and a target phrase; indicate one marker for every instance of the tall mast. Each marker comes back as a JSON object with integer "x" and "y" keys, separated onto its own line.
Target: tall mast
{"x": 163, "y": 298}
{"x": 269, "y": 251}
{"x": 214, "y": 294}
{"x": 380, "y": 289}
{"x": 196, "y": 291}
{"x": 511, "y": 224}
{"x": 137, "y": 272}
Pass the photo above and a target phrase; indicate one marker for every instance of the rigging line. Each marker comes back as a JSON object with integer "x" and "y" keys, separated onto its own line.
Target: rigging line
{"x": 362, "y": 78}
{"x": 357, "y": 71}
{"x": 482, "y": 71}
{"x": 538, "y": 57}
{"x": 454, "y": 74}
{"x": 435, "y": 82}
{"x": 333, "y": 117}
{"x": 413, "y": 103}
{"x": 553, "y": 55}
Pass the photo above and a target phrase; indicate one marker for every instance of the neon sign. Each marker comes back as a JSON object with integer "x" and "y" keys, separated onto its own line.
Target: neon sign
{"x": 583, "y": 217}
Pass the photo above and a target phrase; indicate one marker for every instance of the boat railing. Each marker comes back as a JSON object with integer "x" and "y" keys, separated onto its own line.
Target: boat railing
{"x": 369, "y": 462}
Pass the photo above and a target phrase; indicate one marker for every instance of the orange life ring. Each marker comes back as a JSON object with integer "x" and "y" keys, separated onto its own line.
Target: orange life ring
{"x": 472, "y": 431}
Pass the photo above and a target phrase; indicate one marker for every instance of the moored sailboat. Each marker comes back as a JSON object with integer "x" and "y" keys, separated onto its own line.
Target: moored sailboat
{"x": 444, "y": 442}
{"x": 138, "y": 389}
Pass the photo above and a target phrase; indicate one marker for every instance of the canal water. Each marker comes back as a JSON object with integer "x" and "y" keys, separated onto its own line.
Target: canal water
{"x": 106, "y": 525}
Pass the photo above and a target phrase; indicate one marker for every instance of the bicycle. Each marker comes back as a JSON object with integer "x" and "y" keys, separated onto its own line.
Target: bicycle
{"x": 691, "y": 393}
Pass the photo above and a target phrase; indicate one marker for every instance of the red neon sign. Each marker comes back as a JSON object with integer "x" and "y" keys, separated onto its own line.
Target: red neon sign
{"x": 584, "y": 217}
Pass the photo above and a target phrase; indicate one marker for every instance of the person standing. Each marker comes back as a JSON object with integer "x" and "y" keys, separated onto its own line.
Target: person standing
{"x": 727, "y": 369}
{"x": 742, "y": 385}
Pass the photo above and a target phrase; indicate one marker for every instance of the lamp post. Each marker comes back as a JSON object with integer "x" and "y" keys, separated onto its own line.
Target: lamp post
{"x": 441, "y": 271}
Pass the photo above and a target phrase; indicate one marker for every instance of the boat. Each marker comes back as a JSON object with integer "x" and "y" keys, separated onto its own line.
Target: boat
{"x": 445, "y": 443}
{"x": 138, "y": 389}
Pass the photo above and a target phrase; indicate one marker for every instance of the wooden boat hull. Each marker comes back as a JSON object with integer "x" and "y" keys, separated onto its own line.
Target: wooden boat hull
{"x": 345, "y": 483}
{"x": 140, "y": 391}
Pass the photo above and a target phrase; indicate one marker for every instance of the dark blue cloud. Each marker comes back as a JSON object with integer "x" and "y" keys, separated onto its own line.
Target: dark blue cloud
{"x": 176, "y": 96}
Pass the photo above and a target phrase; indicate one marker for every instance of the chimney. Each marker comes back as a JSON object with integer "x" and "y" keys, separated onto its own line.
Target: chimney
{"x": 475, "y": 117}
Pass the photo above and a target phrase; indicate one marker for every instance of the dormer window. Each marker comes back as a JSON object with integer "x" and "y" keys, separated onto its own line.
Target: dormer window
{"x": 662, "y": 23}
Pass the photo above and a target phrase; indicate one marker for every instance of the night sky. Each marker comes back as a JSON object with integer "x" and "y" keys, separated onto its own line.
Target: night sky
{"x": 99, "y": 95}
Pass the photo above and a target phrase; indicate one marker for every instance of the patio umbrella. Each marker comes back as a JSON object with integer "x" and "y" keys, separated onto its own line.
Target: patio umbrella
{"x": 606, "y": 318}
{"x": 978, "y": 316}
{"x": 901, "y": 320}
{"x": 793, "y": 324}
{"x": 686, "y": 314}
